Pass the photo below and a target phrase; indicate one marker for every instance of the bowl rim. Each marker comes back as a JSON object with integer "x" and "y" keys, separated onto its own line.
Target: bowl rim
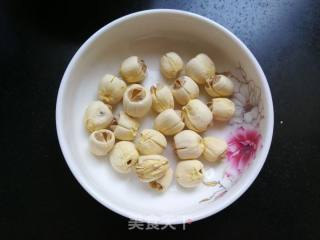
{"x": 114, "y": 207}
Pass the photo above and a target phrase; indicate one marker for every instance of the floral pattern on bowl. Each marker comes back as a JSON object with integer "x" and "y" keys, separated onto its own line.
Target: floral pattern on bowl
{"x": 247, "y": 99}
{"x": 245, "y": 138}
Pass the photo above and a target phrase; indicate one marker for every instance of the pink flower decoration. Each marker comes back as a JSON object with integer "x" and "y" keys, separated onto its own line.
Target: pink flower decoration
{"x": 242, "y": 147}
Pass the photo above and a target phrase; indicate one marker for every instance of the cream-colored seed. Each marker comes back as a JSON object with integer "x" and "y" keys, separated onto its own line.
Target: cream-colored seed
{"x": 189, "y": 174}
{"x": 133, "y": 69}
{"x": 125, "y": 127}
{"x": 123, "y": 156}
{"x": 219, "y": 86}
{"x": 196, "y": 115}
{"x": 151, "y": 167}
{"x": 162, "y": 183}
{"x": 137, "y": 101}
{"x": 169, "y": 122}
{"x": 162, "y": 98}
{"x": 200, "y": 68}
{"x": 151, "y": 142}
{"x": 222, "y": 109}
{"x": 111, "y": 89}
{"x": 171, "y": 65}
{"x": 184, "y": 89}
{"x": 214, "y": 149}
{"x": 97, "y": 116}
{"x": 101, "y": 142}
{"x": 188, "y": 145}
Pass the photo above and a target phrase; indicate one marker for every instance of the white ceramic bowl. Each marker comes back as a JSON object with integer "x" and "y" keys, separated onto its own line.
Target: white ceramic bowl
{"x": 149, "y": 34}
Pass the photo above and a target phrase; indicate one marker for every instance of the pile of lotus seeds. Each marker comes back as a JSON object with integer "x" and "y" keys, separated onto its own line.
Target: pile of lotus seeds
{"x": 142, "y": 151}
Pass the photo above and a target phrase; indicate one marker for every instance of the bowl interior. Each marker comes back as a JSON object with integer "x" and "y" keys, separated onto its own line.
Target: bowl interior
{"x": 149, "y": 35}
